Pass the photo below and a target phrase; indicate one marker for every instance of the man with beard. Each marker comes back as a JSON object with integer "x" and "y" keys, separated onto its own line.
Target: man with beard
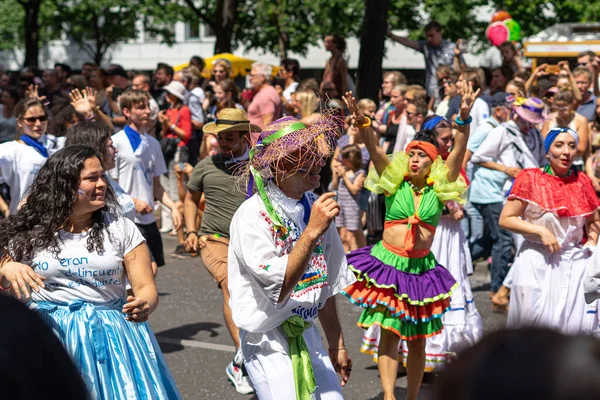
{"x": 214, "y": 178}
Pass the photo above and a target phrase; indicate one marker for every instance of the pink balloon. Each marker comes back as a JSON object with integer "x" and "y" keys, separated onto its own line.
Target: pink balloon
{"x": 497, "y": 33}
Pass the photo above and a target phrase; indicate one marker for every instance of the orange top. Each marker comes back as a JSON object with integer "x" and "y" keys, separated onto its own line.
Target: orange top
{"x": 403, "y": 252}
{"x": 411, "y": 236}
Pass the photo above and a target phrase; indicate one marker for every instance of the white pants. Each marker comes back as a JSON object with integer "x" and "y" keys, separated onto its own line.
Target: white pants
{"x": 273, "y": 377}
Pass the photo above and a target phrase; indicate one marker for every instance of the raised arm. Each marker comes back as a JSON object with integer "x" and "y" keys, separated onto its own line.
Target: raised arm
{"x": 461, "y": 138}
{"x": 537, "y": 73}
{"x": 413, "y": 44}
{"x": 378, "y": 156}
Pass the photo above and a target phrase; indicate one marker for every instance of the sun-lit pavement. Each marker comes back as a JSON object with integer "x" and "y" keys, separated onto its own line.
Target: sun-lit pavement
{"x": 197, "y": 347}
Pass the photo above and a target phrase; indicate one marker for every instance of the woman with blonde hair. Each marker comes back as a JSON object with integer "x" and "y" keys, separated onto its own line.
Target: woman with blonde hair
{"x": 305, "y": 104}
{"x": 221, "y": 71}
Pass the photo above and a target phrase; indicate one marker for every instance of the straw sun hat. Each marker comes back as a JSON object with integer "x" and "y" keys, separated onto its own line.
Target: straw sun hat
{"x": 279, "y": 140}
{"x": 229, "y": 120}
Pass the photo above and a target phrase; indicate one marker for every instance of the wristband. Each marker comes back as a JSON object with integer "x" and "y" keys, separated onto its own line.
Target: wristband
{"x": 172, "y": 127}
{"x": 365, "y": 125}
{"x": 460, "y": 122}
{"x": 189, "y": 233}
{"x": 5, "y": 288}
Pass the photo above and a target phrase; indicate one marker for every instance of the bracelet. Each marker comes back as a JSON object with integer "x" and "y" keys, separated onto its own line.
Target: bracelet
{"x": 365, "y": 125}
{"x": 5, "y": 288}
{"x": 172, "y": 127}
{"x": 189, "y": 233}
{"x": 460, "y": 122}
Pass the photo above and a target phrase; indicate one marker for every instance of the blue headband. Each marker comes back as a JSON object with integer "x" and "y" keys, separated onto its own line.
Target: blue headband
{"x": 551, "y": 136}
{"x": 430, "y": 124}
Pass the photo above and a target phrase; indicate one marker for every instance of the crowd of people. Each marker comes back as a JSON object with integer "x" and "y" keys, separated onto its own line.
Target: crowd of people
{"x": 292, "y": 191}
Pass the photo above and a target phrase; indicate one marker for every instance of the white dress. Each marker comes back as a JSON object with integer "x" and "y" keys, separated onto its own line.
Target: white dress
{"x": 463, "y": 325}
{"x": 547, "y": 289}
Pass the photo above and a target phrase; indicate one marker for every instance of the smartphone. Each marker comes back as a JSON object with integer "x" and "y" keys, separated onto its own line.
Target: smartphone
{"x": 552, "y": 69}
{"x": 181, "y": 166}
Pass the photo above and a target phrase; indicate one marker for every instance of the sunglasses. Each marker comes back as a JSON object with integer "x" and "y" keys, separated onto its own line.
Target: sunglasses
{"x": 32, "y": 120}
{"x": 408, "y": 113}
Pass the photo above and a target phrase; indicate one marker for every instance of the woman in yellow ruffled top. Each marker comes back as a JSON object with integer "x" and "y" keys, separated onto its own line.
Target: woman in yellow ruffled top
{"x": 400, "y": 286}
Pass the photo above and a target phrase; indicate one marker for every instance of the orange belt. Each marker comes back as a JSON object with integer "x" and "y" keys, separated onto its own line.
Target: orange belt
{"x": 403, "y": 252}
{"x": 411, "y": 235}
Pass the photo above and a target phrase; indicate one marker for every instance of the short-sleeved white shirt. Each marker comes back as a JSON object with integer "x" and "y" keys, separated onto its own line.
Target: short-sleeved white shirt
{"x": 126, "y": 204}
{"x": 78, "y": 274}
{"x": 257, "y": 262}
{"x": 135, "y": 171}
{"x": 19, "y": 164}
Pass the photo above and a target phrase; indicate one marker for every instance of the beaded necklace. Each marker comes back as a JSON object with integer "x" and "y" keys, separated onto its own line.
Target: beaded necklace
{"x": 418, "y": 191}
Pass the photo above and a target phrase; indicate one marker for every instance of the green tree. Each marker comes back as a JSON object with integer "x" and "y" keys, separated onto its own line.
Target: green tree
{"x": 220, "y": 15}
{"x": 21, "y": 27}
{"x": 98, "y": 25}
{"x": 283, "y": 26}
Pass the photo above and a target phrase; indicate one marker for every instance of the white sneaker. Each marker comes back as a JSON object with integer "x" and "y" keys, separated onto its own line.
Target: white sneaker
{"x": 239, "y": 379}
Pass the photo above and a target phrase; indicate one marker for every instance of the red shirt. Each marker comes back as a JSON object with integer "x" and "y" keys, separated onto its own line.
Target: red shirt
{"x": 182, "y": 118}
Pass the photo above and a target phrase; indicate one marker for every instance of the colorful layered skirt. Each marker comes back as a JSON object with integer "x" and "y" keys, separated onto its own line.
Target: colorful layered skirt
{"x": 406, "y": 295}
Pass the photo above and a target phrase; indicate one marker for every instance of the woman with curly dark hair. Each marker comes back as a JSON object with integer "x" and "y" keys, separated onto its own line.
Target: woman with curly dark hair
{"x": 66, "y": 247}
{"x": 97, "y": 135}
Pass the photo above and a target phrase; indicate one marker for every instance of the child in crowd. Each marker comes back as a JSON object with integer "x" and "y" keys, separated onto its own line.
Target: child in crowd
{"x": 348, "y": 180}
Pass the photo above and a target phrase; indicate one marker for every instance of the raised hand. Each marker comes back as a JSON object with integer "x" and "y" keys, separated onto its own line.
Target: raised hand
{"x": 358, "y": 115}
{"x": 33, "y": 92}
{"x": 565, "y": 68}
{"x": 540, "y": 71}
{"x": 467, "y": 99}
{"x": 91, "y": 94}
{"x": 80, "y": 102}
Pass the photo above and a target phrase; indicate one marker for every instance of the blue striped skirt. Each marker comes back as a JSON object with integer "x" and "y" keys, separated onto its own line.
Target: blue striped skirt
{"x": 118, "y": 359}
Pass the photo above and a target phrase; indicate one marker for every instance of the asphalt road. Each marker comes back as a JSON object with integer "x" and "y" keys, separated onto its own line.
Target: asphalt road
{"x": 189, "y": 326}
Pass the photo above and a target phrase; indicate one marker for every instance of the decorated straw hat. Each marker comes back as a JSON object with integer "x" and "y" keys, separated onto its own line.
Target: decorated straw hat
{"x": 530, "y": 109}
{"x": 230, "y": 119}
{"x": 283, "y": 137}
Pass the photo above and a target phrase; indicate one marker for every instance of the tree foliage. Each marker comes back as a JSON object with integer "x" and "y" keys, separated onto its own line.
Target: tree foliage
{"x": 282, "y": 26}
{"x": 98, "y": 25}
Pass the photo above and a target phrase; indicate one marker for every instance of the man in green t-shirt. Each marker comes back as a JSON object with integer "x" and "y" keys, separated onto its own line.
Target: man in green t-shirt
{"x": 214, "y": 178}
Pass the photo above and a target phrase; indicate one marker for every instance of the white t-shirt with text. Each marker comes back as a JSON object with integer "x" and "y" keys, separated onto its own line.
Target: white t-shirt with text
{"x": 135, "y": 171}
{"x": 78, "y": 274}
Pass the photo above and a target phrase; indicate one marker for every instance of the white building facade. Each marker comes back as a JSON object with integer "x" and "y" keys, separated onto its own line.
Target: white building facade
{"x": 145, "y": 52}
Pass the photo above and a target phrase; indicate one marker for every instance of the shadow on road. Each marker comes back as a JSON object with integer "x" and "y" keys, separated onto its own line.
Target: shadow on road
{"x": 427, "y": 391}
{"x": 482, "y": 288}
{"x": 186, "y": 332}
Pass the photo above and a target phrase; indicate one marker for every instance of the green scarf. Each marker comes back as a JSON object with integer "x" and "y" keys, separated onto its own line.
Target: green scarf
{"x": 304, "y": 375}
{"x": 260, "y": 184}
